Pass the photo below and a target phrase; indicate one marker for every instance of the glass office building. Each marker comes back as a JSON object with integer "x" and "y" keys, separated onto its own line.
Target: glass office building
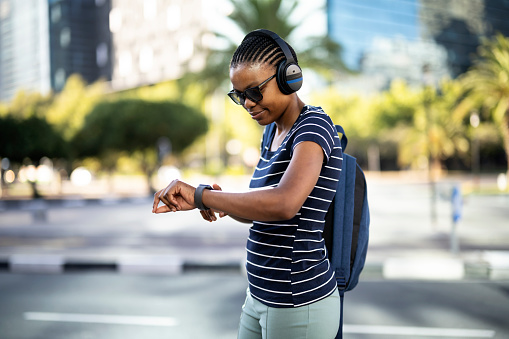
{"x": 387, "y": 39}
{"x": 80, "y": 40}
{"x": 128, "y": 43}
{"x": 24, "y": 47}
{"x": 43, "y": 42}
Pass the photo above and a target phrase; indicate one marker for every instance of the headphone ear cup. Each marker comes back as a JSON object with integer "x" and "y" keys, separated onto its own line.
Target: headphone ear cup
{"x": 289, "y": 77}
{"x": 281, "y": 79}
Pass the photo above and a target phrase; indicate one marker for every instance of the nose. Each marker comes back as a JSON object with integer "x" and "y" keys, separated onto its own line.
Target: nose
{"x": 248, "y": 103}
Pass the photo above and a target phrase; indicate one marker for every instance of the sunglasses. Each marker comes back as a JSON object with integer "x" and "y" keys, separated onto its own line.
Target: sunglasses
{"x": 254, "y": 94}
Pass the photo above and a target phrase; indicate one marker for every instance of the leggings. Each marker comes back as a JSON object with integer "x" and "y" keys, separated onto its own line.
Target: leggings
{"x": 319, "y": 320}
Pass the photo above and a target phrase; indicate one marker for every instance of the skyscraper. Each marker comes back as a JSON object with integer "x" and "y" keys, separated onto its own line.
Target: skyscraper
{"x": 24, "y": 47}
{"x": 80, "y": 40}
{"x": 129, "y": 43}
{"x": 155, "y": 40}
{"x": 387, "y": 39}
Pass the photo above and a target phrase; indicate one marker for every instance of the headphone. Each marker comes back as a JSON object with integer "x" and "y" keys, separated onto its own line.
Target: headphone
{"x": 289, "y": 74}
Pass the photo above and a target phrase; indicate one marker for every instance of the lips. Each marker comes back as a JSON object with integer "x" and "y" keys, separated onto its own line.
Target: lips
{"x": 255, "y": 115}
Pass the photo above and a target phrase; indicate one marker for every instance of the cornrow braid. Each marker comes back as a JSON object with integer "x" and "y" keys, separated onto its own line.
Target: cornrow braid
{"x": 259, "y": 49}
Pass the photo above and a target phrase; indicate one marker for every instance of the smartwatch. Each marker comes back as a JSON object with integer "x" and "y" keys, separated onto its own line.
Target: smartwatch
{"x": 198, "y": 196}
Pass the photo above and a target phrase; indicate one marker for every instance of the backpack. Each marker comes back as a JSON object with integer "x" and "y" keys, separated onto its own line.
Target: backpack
{"x": 346, "y": 230}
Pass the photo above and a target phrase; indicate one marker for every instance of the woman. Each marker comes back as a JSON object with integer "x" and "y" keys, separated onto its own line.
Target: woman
{"x": 292, "y": 290}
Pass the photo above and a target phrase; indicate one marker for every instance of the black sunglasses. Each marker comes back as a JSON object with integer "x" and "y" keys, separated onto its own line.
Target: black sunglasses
{"x": 254, "y": 94}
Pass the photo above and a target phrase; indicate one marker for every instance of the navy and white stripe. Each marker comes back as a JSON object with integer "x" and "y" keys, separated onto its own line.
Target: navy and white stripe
{"x": 287, "y": 262}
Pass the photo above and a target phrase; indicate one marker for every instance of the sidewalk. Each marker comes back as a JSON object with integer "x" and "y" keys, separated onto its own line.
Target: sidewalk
{"x": 123, "y": 235}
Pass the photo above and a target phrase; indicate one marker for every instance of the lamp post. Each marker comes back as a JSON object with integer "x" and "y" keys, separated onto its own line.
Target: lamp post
{"x": 476, "y": 163}
{"x": 427, "y": 78}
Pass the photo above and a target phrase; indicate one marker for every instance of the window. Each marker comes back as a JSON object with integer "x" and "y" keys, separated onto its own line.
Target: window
{"x": 149, "y": 9}
{"x": 146, "y": 59}
{"x": 185, "y": 48}
{"x": 125, "y": 63}
{"x": 59, "y": 79}
{"x": 65, "y": 37}
{"x": 173, "y": 17}
{"x": 56, "y": 13}
{"x": 115, "y": 20}
{"x": 101, "y": 54}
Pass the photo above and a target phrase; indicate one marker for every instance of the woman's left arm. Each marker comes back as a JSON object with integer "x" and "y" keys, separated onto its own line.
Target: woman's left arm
{"x": 279, "y": 203}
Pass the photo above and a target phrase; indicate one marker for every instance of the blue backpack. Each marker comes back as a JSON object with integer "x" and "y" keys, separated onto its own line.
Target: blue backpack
{"x": 346, "y": 230}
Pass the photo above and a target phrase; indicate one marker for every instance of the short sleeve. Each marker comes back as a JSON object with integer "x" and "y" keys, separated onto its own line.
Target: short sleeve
{"x": 318, "y": 129}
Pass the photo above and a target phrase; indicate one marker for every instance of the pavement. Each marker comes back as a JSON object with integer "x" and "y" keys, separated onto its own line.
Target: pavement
{"x": 121, "y": 234}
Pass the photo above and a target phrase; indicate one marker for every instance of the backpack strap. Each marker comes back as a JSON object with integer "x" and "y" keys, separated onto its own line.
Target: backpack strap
{"x": 344, "y": 139}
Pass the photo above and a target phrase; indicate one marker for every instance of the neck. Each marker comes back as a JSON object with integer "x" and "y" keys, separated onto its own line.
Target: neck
{"x": 290, "y": 115}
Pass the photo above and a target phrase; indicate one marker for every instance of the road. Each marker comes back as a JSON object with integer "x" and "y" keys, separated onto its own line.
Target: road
{"x": 207, "y": 304}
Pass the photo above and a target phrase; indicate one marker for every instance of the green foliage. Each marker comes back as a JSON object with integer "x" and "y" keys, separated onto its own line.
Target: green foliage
{"x": 133, "y": 125}
{"x": 395, "y": 107}
{"x": 435, "y": 134}
{"x": 486, "y": 84}
{"x": 72, "y": 104}
{"x": 28, "y": 104}
{"x": 31, "y": 138}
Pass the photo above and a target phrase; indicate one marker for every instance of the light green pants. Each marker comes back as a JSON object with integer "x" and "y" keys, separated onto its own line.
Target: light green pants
{"x": 319, "y": 320}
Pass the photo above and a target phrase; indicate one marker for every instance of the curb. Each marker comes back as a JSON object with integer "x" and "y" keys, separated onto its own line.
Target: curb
{"x": 162, "y": 265}
{"x": 390, "y": 269}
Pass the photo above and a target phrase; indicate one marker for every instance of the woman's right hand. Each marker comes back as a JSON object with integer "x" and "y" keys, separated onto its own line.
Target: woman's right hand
{"x": 210, "y": 214}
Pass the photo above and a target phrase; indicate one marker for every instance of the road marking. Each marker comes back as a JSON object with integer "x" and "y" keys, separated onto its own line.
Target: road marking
{"x": 419, "y": 331}
{"x": 102, "y": 319}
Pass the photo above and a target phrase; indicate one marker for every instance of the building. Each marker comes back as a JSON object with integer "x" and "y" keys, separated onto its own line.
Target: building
{"x": 155, "y": 40}
{"x": 43, "y": 42}
{"x": 128, "y": 43}
{"x": 384, "y": 40}
{"x": 80, "y": 40}
{"x": 24, "y": 47}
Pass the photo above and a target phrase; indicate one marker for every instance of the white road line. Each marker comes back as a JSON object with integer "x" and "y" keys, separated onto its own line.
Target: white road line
{"x": 102, "y": 319}
{"x": 419, "y": 331}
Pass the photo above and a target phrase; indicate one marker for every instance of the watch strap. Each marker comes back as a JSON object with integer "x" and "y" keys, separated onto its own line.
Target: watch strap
{"x": 198, "y": 193}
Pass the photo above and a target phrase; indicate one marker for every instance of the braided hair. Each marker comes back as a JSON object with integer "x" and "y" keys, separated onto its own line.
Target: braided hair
{"x": 259, "y": 49}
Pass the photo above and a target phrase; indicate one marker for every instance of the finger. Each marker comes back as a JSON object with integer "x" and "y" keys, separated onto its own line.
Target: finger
{"x": 156, "y": 201}
{"x": 205, "y": 215}
{"x": 163, "y": 198}
{"x": 216, "y": 187}
{"x": 164, "y": 209}
{"x": 170, "y": 196}
{"x": 212, "y": 215}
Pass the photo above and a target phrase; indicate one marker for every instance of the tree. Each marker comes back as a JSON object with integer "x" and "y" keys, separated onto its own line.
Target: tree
{"x": 435, "y": 134}
{"x": 69, "y": 107}
{"x": 32, "y": 138}
{"x": 135, "y": 126}
{"x": 486, "y": 85}
{"x": 320, "y": 54}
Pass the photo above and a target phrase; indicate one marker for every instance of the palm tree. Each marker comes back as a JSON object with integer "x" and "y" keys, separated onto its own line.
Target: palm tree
{"x": 486, "y": 85}
{"x": 321, "y": 53}
{"x": 435, "y": 134}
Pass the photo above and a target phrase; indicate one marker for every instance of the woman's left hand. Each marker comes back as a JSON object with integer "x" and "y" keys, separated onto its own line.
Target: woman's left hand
{"x": 177, "y": 196}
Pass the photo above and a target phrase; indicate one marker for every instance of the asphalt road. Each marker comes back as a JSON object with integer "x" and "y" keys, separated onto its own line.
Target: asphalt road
{"x": 207, "y": 305}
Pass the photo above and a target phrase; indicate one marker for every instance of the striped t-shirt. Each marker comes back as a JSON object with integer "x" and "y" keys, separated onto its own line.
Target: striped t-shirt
{"x": 287, "y": 262}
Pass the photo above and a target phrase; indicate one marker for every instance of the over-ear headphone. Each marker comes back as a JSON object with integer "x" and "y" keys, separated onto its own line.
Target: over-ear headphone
{"x": 289, "y": 74}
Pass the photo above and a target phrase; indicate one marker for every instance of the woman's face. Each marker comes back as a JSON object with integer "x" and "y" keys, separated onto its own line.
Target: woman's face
{"x": 273, "y": 103}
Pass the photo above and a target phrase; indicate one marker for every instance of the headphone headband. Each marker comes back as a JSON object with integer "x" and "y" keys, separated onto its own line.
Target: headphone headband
{"x": 277, "y": 39}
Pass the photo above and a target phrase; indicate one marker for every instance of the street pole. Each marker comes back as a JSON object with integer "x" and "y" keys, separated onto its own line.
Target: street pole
{"x": 428, "y": 87}
{"x": 476, "y": 163}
